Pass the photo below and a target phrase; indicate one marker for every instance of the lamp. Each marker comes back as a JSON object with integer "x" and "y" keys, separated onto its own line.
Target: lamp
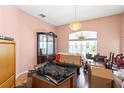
{"x": 75, "y": 24}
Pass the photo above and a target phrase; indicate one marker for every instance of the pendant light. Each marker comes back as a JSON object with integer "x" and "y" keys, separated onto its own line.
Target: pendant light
{"x": 75, "y": 24}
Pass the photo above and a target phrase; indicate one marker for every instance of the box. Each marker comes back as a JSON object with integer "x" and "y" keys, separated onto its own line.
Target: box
{"x": 70, "y": 59}
{"x": 101, "y": 78}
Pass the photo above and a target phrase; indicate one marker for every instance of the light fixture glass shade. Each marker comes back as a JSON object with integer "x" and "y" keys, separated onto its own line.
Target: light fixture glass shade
{"x": 75, "y": 25}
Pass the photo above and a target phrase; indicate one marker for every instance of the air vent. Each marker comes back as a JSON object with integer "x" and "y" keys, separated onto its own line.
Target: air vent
{"x": 42, "y": 15}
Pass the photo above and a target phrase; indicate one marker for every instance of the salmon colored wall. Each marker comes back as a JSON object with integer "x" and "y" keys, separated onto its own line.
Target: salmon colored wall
{"x": 122, "y": 35}
{"x": 29, "y": 25}
{"x": 23, "y": 28}
{"x": 108, "y": 29}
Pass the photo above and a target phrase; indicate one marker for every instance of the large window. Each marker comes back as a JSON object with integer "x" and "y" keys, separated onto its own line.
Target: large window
{"x": 83, "y": 42}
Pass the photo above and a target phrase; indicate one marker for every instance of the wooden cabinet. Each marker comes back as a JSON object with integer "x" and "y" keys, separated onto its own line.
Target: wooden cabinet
{"x": 41, "y": 82}
{"x": 7, "y": 64}
{"x": 45, "y": 46}
{"x": 70, "y": 59}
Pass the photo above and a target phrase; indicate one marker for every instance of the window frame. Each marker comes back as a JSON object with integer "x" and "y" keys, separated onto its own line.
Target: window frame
{"x": 85, "y": 39}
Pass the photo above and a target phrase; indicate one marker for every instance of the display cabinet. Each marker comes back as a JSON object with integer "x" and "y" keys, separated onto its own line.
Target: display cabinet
{"x": 46, "y": 46}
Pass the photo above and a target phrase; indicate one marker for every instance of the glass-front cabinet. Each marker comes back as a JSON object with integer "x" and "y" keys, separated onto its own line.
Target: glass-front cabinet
{"x": 42, "y": 44}
{"x": 45, "y": 46}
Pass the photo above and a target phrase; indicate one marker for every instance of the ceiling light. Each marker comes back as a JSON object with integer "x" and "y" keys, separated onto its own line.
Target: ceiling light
{"x": 75, "y": 24}
{"x": 42, "y": 15}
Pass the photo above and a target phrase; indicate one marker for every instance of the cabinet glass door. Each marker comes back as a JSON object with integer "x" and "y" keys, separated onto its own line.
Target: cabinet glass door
{"x": 50, "y": 49}
{"x": 42, "y": 44}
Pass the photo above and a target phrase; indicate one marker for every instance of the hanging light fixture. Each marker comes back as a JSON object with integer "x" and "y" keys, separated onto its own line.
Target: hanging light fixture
{"x": 75, "y": 24}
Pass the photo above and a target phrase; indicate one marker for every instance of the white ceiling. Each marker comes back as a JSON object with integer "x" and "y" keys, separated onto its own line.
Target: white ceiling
{"x": 60, "y": 15}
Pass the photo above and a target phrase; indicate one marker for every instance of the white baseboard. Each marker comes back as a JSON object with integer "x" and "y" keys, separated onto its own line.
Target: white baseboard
{"x": 21, "y": 74}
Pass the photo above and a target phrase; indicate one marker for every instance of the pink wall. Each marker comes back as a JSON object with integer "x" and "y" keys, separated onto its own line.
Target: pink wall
{"x": 29, "y": 25}
{"x": 108, "y": 30}
{"x": 122, "y": 35}
{"x": 23, "y": 27}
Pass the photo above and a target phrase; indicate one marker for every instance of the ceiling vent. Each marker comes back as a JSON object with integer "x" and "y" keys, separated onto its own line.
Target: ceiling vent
{"x": 42, "y": 15}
